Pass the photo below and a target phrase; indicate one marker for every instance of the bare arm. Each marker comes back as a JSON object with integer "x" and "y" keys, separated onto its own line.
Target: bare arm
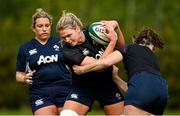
{"x": 122, "y": 85}
{"x": 120, "y": 40}
{"x": 23, "y": 77}
{"x": 109, "y": 33}
{"x": 100, "y": 64}
{"x": 116, "y": 27}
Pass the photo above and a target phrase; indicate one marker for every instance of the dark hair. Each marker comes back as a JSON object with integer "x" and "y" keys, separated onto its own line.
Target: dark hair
{"x": 147, "y": 36}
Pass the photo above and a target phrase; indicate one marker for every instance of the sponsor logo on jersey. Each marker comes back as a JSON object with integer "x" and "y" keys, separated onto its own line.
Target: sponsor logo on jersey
{"x": 98, "y": 55}
{"x": 47, "y": 59}
{"x": 74, "y": 96}
{"x": 56, "y": 47}
{"x": 33, "y": 51}
{"x": 39, "y": 102}
{"x": 85, "y": 52}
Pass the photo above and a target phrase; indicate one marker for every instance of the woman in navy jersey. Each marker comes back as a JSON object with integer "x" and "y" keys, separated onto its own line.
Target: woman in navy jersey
{"x": 147, "y": 91}
{"x": 80, "y": 49}
{"x": 39, "y": 64}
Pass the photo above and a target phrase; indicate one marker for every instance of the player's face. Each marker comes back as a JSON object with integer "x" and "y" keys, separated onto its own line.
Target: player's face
{"x": 42, "y": 28}
{"x": 70, "y": 36}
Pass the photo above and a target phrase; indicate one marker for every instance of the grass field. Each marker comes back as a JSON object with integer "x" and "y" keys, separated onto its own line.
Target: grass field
{"x": 97, "y": 111}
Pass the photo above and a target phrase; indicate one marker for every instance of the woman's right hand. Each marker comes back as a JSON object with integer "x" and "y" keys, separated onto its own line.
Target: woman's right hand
{"x": 111, "y": 23}
{"x": 28, "y": 77}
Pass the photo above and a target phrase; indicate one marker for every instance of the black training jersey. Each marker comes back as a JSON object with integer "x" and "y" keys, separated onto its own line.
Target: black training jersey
{"x": 140, "y": 58}
{"x": 74, "y": 55}
{"x": 46, "y": 60}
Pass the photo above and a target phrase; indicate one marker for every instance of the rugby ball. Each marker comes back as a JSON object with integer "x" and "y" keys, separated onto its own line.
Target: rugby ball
{"x": 96, "y": 31}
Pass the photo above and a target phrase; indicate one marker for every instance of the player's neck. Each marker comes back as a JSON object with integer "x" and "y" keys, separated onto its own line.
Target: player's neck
{"x": 82, "y": 38}
{"x": 41, "y": 41}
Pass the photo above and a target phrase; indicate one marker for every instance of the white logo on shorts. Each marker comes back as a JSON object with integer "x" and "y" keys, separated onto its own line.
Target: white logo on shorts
{"x": 118, "y": 96}
{"x": 75, "y": 96}
{"x": 39, "y": 102}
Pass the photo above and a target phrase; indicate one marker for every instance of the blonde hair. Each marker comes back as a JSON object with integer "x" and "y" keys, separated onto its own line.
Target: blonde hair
{"x": 40, "y": 13}
{"x": 68, "y": 19}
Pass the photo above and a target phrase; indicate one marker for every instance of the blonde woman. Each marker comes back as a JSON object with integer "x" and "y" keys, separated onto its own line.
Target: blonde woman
{"x": 39, "y": 64}
{"x": 80, "y": 49}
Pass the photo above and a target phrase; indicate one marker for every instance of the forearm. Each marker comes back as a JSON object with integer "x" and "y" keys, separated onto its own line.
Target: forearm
{"x": 23, "y": 77}
{"x": 100, "y": 64}
{"x": 96, "y": 66}
{"x": 20, "y": 77}
{"x": 109, "y": 49}
{"x": 120, "y": 40}
{"x": 122, "y": 85}
{"x": 110, "y": 27}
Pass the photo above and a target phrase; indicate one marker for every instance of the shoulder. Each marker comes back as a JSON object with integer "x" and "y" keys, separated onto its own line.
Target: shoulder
{"x": 67, "y": 50}
{"x": 53, "y": 40}
{"x": 89, "y": 39}
{"x": 27, "y": 45}
{"x": 86, "y": 32}
{"x": 131, "y": 46}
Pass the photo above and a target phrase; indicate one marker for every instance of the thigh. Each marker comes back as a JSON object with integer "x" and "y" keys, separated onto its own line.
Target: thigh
{"x": 132, "y": 110}
{"x": 48, "y": 110}
{"x": 114, "y": 109}
{"x": 82, "y": 96}
{"x": 139, "y": 94}
{"x": 59, "y": 99}
{"x": 143, "y": 92}
{"x": 59, "y": 109}
{"x": 110, "y": 99}
{"x": 46, "y": 96}
{"x": 40, "y": 101}
{"x": 108, "y": 95}
{"x": 79, "y": 108}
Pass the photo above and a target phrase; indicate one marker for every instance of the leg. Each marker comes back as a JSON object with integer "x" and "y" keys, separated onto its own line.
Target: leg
{"x": 79, "y": 108}
{"x": 48, "y": 110}
{"x": 114, "y": 109}
{"x": 59, "y": 110}
{"x": 132, "y": 110}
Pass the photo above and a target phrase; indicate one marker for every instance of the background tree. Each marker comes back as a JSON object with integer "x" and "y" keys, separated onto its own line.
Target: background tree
{"x": 15, "y": 19}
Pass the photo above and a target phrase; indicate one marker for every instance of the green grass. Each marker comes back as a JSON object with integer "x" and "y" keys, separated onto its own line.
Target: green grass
{"x": 94, "y": 111}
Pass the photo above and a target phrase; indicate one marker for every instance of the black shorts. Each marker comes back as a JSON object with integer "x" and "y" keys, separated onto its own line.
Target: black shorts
{"x": 148, "y": 92}
{"x": 104, "y": 95}
{"x": 42, "y": 97}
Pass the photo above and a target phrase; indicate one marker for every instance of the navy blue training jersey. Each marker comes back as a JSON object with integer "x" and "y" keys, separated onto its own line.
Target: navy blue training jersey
{"x": 74, "y": 55}
{"x": 140, "y": 58}
{"x": 46, "y": 60}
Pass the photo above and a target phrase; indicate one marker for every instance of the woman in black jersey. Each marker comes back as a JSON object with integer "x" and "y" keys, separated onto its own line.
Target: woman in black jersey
{"x": 80, "y": 49}
{"x": 147, "y": 91}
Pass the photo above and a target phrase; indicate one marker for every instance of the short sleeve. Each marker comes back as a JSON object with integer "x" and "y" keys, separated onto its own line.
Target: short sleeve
{"x": 21, "y": 60}
{"x": 72, "y": 56}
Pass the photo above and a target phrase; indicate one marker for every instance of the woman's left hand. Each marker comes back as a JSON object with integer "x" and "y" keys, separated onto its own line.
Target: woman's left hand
{"x": 78, "y": 69}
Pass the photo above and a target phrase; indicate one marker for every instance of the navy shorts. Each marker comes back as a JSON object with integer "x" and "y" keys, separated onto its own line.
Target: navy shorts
{"x": 106, "y": 95}
{"x": 148, "y": 92}
{"x": 42, "y": 97}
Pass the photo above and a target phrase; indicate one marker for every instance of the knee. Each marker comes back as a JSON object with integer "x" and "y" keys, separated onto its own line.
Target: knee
{"x": 68, "y": 113}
